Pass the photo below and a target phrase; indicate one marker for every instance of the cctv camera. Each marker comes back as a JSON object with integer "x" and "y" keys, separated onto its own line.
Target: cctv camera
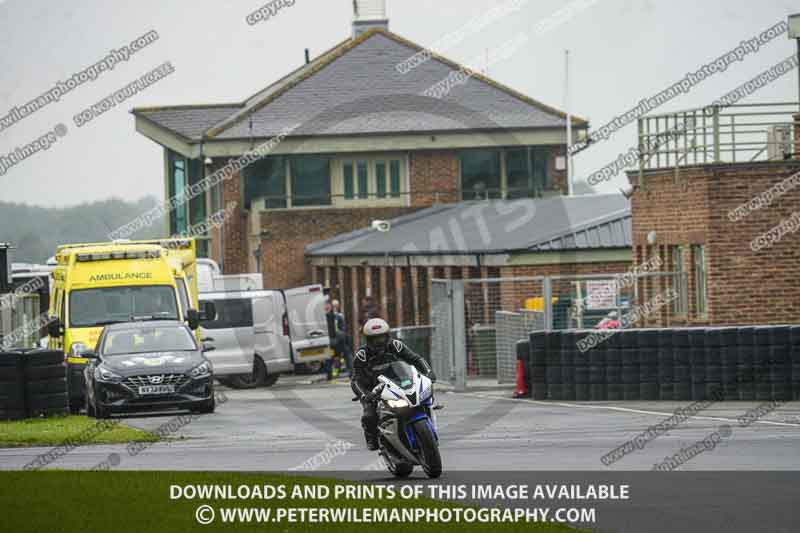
{"x": 381, "y": 225}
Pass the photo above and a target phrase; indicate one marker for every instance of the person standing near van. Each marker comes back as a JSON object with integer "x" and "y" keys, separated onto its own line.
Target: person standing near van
{"x": 338, "y": 337}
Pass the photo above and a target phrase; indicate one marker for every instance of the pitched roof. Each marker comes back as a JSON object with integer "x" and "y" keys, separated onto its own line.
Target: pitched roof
{"x": 188, "y": 121}
{"x": 587, "y": 222}
{"x": 355, "y": 88}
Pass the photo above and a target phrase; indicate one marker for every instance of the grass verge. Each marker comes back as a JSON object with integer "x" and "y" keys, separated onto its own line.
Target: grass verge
{"x": 79, "y": 429}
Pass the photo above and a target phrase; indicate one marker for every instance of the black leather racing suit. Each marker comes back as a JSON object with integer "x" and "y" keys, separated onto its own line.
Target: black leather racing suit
{"x": 367, "y": 367}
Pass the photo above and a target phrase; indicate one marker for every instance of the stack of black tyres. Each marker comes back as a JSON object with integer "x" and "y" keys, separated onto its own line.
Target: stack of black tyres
{"x": 648, "y": 364}
{"x": 713, "y": 356}
{"x": 780, "y": 363}
{"x": 697, "y": 362}
{"x": 46, "y": 383}
{"x": 730, "y": 359}
{"x": 682, "y": 371}
{"x": 666, "y": 365}
{"x": 538, "y": 372}
{"x": 745, "y": 369}
{"x": 795, "y": 357}
{"x": 553, "y": 374}
{"x": 613, "y": 353}
{"x": 761, "y": 363}
{"x": 598, "y": 389}
{"x": 581, "y": 361}
{"x": 12, "y": 386}
{"x": 568, "y": 362}
{"x": 630, "y": 365}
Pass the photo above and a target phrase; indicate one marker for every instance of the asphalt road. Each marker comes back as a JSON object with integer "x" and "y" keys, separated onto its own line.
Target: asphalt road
{"x": 287, "y": 426}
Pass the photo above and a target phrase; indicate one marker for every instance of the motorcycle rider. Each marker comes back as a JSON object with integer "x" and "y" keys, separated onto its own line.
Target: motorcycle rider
{"x": 379, "y": 350}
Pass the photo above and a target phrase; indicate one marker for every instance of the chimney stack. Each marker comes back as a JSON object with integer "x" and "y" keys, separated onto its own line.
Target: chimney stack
{"x": 369, "y": 14}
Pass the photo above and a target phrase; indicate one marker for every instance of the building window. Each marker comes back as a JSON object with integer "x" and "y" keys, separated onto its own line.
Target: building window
{"x": 481, "y": 175}
{"x": 380, "y": 178}
{"x": 526, "y": 171}
{"x": 197, "y": 205}
{"x": 363, "y": 180}
{"x": 179, "y": 220}
{"x": 368, "y": 181}
{"x": 265, "y": 179}
{"x": 349, "y": 184}
{"x": 311, "y": 181}
{"x": 701, "y": 279}
{"x": 394, "y": 167}
{"x": 679, "y": 280}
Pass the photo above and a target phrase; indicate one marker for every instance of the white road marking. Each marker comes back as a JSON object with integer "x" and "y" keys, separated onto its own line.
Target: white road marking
{"x": 624, "y": 409}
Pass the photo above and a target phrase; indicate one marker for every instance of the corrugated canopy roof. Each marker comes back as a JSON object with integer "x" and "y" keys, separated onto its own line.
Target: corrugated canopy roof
{"x": 558, "y": 223}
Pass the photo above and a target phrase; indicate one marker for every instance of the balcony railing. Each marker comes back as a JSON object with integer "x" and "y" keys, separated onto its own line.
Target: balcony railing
{"x": 331, "y": 200}
{"x": 719, "y": 134}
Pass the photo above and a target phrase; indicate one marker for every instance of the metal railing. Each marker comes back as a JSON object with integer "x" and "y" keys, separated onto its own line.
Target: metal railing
{"x": 339, "y": 200}
{"x": 718, "y": 134}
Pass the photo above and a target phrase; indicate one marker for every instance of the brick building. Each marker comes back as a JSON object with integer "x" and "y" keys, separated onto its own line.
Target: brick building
{"x": 707, "y": 217}
{"x": 513, "y": 239}
{"x": 360, "y": 140}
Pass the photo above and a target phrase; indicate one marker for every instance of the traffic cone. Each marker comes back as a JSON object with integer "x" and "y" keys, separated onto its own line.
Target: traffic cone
{"x": 522, "y": 390}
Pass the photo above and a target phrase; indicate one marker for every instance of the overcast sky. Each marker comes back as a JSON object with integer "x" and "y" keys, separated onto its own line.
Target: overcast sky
{"x": 621, "y": 50}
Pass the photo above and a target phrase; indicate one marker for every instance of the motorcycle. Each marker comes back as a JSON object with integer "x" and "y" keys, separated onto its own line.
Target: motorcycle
{"x": 407, "y": 421}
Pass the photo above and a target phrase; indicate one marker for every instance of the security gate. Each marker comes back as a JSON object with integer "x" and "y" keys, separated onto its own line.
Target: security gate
{"x": 478, "y": 322}
{"x": 447, "y": 340}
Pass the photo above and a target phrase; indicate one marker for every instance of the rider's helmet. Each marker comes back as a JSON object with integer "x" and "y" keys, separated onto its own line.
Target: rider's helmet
{"x": 376, "y": 332}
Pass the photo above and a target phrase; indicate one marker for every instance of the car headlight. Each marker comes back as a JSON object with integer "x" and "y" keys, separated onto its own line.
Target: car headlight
{"x": 396, "y": 404}
{"x": 101, "y": 373}
{"x": 201, "y": 371}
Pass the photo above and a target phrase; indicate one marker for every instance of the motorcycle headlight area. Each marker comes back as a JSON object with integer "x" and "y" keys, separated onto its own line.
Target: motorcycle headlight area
{"x": 397, "y": 404}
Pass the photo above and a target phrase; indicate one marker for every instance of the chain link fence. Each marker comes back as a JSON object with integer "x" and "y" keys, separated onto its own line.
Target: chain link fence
{"x": 476, "y": 323}
{"x": 17, "y": 322}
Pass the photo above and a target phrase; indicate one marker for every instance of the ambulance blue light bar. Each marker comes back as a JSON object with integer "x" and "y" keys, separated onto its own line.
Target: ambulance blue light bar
{"x": 111, "y": 256}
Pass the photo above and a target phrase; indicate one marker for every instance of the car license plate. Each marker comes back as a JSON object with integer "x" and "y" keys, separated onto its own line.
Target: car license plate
{"x": 156, "y": 389}
{"x": 315, "y": 352}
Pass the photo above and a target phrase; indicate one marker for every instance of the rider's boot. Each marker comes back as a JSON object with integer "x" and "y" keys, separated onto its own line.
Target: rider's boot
{"x": 372, "y": 439}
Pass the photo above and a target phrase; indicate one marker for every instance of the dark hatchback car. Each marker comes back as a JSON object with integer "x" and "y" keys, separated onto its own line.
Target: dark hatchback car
{"x": 150, "y": 365}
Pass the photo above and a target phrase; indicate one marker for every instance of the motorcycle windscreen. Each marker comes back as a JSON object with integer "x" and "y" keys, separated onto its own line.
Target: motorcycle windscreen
{"x": 399, "y": 373}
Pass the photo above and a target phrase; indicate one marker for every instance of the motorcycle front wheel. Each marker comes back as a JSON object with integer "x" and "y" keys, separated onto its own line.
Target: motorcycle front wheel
{"x": 398, "y": 469}
{"x": 429, "y": 449}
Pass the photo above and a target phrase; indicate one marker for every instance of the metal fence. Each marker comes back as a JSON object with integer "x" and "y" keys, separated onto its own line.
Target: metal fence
{"x": 718, "y": 134}
{"x": 17, "y": 321}
{"x": 443, "y": 307}
{"x": 476, "y": 323}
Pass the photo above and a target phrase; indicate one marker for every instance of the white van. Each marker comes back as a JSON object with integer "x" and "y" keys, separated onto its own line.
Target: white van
{"x": 210, "y": 279}
{"x": 258, "y": 335}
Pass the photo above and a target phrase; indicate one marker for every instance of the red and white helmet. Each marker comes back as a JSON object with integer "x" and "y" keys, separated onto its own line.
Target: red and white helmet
{"x": 376, "y": 332}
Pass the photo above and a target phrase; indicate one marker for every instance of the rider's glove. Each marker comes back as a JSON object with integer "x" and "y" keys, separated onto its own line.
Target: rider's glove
{"x": 432, "y": 376}
{"x": 368, "y": 397}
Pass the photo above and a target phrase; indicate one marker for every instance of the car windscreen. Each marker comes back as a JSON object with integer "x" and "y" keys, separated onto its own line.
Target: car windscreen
{"x": 231, "y": 313}
{"x": 148, "y": 340}
{"x": 108, "y": 305}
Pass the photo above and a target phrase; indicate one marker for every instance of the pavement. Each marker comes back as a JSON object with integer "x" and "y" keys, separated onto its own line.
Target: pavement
{"x": 302, "y": 421}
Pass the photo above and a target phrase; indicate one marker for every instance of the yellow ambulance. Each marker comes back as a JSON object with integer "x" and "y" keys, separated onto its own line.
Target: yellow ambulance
{"x": 97, "y": 285}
